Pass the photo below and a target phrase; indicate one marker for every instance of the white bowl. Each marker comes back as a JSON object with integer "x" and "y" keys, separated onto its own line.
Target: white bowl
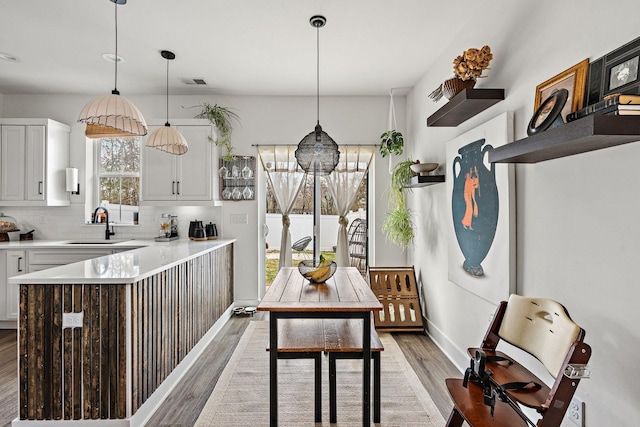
{"x": 424, "y": 168}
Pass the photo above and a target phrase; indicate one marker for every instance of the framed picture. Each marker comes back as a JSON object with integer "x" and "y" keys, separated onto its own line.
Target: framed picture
{"x": 481, "y": 235}
{"x": 616, "y": 72}
{"x": 548, "y": 114}
{"x": 574, "y": 80}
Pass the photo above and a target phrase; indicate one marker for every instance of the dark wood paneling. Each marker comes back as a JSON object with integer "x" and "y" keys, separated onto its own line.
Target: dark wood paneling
{"x": 81, "y": 372}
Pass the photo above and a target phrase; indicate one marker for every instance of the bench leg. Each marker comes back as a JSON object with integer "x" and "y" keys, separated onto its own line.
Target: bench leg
{"x": 455, "y": 419}
{"x": 318, "y": 387}
{"x": 333, "y": 418}
{"x": 376, "y": 387}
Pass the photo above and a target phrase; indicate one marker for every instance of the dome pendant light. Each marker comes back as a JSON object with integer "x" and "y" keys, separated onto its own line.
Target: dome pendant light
{"x": 167, "y": 138}
{"x": 317, "y": 152}
{"x": 112, "y": 116}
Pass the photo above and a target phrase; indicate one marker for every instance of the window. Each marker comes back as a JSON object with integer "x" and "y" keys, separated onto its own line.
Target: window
{"x": 118, "y": 172}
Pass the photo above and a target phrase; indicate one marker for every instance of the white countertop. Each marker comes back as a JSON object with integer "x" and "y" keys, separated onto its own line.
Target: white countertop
{"x": 77, "y": 243}
{"x": 125, "y": 267}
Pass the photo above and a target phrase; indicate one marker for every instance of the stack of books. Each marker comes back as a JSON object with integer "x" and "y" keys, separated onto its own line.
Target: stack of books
{"x": 620, "y": 105}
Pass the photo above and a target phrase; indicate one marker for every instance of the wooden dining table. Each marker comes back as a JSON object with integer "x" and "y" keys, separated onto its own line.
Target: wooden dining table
{"x": 345, "y": 296}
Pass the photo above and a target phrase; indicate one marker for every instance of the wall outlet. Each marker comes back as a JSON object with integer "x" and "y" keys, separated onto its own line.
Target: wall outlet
{"x": 72, "y": 320}
{"x": 239, "y": 219}
{"x": 576, "y": 411}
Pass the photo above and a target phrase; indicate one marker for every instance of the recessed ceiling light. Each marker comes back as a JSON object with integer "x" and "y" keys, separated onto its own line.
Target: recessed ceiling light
{"x": 110, "y": 57}
{"x": 8, "y": 57}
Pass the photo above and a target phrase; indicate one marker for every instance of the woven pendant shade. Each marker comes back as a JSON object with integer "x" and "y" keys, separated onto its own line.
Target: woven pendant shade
{"x": 318, "y": 152}
{"x": 112, "y": 116}
{"x": 168, "y": 139}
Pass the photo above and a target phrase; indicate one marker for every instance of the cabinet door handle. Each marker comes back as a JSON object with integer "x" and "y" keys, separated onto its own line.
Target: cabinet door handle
{"x": 178, "y": 186}
{"x": 173, "y": 187}
{"x": 19, "y": 262}
{"x": 39, "y": 187}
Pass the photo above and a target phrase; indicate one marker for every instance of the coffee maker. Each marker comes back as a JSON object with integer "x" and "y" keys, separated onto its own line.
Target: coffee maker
{"x": 168, "y": 228}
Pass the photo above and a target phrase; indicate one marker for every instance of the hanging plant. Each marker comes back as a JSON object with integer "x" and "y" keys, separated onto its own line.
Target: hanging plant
{"x": 391, "y": 142}
{"x": 220, "y": 117}
{"x": 398, "y": 223}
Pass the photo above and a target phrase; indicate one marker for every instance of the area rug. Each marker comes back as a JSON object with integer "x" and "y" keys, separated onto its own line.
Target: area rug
{"x": 241, "y": 396}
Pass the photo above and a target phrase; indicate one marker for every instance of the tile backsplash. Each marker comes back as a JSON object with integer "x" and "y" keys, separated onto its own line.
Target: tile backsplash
{"x": 69, "y": 222}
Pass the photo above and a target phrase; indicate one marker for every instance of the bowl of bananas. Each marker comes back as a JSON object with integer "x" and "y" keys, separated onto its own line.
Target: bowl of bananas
{"x": 317, "y": 273}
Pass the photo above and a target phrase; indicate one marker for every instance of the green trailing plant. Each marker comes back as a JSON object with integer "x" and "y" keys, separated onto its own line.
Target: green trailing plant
{"x": 391, "y": 142}
{"x": 221, "y": 117}
{"x": 398, "y": 223}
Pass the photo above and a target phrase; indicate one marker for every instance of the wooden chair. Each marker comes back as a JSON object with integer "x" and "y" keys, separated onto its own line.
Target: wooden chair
{"x": 543, "y": 328}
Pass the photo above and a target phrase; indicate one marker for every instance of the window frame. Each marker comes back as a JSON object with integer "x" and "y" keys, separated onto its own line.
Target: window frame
{"x": 99, "y": 175}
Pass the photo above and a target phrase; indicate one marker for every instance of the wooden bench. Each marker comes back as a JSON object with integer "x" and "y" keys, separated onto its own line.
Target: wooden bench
{"x": 304, "y": 339}
{"x": 343, "y": 340}
{"x": 542, "y": 328}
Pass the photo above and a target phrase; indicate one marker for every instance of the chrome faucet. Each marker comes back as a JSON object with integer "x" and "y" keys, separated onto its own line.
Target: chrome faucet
{"x": 108, "y": 233}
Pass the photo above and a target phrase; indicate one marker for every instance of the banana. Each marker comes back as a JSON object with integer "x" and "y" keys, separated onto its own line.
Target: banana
{"x": 320, "y": 274}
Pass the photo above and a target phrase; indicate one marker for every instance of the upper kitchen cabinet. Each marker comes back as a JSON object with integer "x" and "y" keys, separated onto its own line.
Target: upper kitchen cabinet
{"x": 186, "y": 178}
{"x": 34, "y": 154}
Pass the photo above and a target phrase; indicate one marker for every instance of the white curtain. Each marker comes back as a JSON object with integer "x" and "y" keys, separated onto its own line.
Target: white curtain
{"x": 285, "y": 177}
{"x": 343, "y": 184}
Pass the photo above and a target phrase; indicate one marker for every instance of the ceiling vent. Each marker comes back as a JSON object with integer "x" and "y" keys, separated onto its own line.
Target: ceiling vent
{"x": 200, "y": 82}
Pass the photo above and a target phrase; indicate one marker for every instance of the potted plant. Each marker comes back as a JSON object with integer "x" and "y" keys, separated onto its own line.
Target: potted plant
{"x": 391, "y": 142}
{"x": 221, "y": 117}
{"x": 398, "y": 224}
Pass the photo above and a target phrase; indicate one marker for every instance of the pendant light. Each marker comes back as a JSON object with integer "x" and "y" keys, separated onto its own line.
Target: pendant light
{"x": 112, "y": 116}
{"x": 317, "y": 152}
{"x": 167, "y": 138}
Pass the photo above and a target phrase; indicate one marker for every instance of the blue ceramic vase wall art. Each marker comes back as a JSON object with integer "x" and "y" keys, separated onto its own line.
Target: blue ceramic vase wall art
{"x": 474, "y": 204}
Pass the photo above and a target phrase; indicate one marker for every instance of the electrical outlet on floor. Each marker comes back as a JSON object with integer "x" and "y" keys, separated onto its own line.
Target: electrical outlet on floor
{"x": 576, "y": 411}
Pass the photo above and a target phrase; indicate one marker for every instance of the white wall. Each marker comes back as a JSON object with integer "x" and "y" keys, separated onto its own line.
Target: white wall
{"x": 576, "y": 236}
{"x": 264, "y": 120}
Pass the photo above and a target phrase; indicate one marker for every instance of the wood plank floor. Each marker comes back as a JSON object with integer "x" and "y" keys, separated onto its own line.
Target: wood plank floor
{"x": 183, "y": 405}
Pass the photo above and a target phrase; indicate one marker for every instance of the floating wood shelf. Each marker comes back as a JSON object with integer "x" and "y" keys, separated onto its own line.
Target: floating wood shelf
{"x": 465, "y": 105}
{"x": 586, "y": 134}
{"x": 424, "y": 180}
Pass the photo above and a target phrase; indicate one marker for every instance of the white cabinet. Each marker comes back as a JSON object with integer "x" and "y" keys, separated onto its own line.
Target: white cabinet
{"x": 14, "y": 263}
{"x": 189, "y": 177}
{"x": 34, "y": 154}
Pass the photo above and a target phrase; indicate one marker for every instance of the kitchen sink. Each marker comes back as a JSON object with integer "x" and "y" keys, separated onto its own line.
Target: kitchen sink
{"x": 94, "y": 242}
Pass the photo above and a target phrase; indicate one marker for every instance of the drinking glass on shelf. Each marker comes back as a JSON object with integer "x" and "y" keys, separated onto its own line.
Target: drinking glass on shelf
{"x": 223, "y": 172}
{"x": 226, "y": 193}
{"x": 235, "y": 172}
{"x": 246, "y": 170}
{"x": 236, "y": 193}
{"x": 247, "y": 193}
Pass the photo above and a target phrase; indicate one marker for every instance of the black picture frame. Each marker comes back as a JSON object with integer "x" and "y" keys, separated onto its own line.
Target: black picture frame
{"x": 548, "y": 114}
{"x": 602, "y": 70}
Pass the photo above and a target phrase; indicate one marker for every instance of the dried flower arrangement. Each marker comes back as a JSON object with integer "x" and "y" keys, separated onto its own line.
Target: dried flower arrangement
{"x": 467, "y": 68}
{"x": 472, "y": 63}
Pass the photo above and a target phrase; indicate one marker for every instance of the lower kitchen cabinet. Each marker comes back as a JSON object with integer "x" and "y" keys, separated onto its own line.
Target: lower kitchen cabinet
{"x": 14, "y": 264}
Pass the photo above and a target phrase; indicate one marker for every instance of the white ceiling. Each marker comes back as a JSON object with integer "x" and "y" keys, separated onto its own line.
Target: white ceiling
{"x": 239, "y": 47}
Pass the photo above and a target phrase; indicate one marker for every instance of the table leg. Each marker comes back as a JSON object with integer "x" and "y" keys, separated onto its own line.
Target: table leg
{"x": 273, "y": 369}
{"x": 366, "y": 370}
